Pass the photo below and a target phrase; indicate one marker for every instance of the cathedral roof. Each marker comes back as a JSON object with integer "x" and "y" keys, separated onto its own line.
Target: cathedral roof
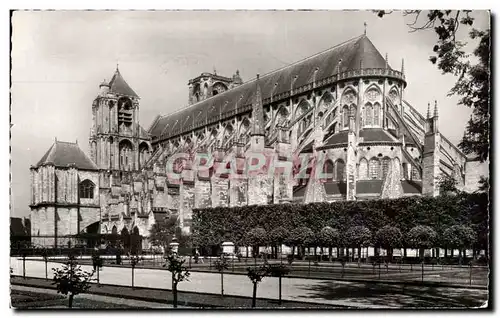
{"x": 63, "y": 154}
{"x": 239, "y": 99}
{"x": 118, "y": 85}
{"x": 411, "y": 186}
{"x": 375, "y": 134}
{"x": 368, "y": 135}
{"x": 369, "y": 186}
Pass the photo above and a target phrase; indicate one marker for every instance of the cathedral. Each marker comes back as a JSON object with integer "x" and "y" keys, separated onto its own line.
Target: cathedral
{"x": 337, "y": 121}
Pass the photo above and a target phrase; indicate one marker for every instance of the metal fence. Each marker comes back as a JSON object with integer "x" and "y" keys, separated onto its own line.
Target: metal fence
{"x": 376, "y": 272}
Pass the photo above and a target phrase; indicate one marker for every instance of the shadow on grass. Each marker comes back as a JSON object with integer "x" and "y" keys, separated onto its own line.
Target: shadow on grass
{"x": 395, "y": 296}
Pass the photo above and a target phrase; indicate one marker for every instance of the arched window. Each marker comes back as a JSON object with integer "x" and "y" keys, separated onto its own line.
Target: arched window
{"x": 376, "y": 114}
{"x": 353, "y": 110}
{"x": 86, "y": 189}
{"x": 143, "y": 154}
{"x": 374, "y": 168}
{"x": 385, "y": 166}
{"x": 345, "y": 116}
{"x": 126, "y": 154}
{"x": 340, "y": 175}
{"x": 415, "y": 175}
{"x": 328, "y": 169}
{"x": 369, "y": 114}
{"x": 114, "y": 230}
{"x": 363, "y": 169}
{"x": 405, "y": 170}
{"x": 125, "y": 113}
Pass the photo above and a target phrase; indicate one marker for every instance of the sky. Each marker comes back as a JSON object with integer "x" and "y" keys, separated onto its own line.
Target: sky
{"x": 59, "y": 58}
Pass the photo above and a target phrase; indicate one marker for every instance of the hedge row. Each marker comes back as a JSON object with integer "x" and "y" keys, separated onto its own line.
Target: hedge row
{"x": 212, "y": 226}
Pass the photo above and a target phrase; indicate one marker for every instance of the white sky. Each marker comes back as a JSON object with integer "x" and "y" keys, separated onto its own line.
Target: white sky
{"x": 59, "y": 58}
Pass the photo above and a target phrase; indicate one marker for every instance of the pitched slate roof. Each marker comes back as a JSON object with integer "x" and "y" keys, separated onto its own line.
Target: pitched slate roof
{"x": 369, "y": 186}
{"x": 335, "y": 187}
{"x": 411, "y": 186}
{"x": 350, "y": 52}
{"x": 118, "y": 86}
{"x": 64, "y": 154}
{"x": 338, "y": 138}
{"x": 375, "y": 134}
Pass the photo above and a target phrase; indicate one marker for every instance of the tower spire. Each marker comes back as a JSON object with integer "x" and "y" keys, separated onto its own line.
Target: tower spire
{"x": 386, "y": 60}
{"x": 428, "y": 110}
{"x": 435, "y": 108}
{"x": 403, "y": 66}
{"x": 365, "y": 27}
{"x": 257, "y": 111}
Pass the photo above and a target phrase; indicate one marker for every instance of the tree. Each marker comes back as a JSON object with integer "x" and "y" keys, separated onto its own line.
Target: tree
{"x": 389, "y": 237}
{"x": 161, "y": 233}
{"x": 473, "y": 84}
{"x": 278, "y": 236}
{"x": 484, "y": 184}
{"x": 279, "y": 270}
{"x": 301, "y": 237}
{"x": 221, "y": 265}
{"x": 134, "y": 260}
{"x": 447, "y": 185}
{"x": 422, "y": 237}
{"x": 175, "y": 265}
{"x": 256, "y": 237}
{"x": 358, "y": 236}
{"x": 256, "y": 275}
{"x": 328, "y": 237}
{"x": 45, "y": 255}
{"x": 459, "y": 236}
{"x": 97, "y": 263}
{"x": 71, "y": 279}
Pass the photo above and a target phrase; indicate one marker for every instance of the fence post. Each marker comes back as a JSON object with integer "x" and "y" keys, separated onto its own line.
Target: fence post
{"x": 470, "y": 274}
{"x": 422, "y": 271}
{"x": 24, "y": 266}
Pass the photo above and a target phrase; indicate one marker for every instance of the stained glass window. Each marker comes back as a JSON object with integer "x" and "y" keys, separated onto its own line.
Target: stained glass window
{"x": 376, "y": 115}
{"x": 374, "y": 168}
{"x": 385, "y": 166}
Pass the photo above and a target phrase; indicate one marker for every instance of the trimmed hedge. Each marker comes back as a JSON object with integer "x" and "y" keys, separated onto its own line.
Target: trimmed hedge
{"x": 212, "y": 226}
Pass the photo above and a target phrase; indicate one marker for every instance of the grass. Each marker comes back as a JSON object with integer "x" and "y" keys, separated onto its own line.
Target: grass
{"x": 37, "y": 300}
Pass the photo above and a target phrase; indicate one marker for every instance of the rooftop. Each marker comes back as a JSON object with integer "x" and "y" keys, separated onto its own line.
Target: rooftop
{"x": 63, "y": 154}
{"x": 348, "y": 56}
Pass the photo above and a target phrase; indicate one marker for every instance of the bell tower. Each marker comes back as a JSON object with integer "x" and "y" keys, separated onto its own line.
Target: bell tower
{"x": 115, "y": 136}
{"x": 210, "y": 84}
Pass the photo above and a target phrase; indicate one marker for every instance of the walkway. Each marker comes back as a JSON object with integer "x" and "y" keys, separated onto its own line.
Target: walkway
{"x": 362, "y": 295}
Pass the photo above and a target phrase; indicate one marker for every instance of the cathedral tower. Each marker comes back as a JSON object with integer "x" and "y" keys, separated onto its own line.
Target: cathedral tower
{"x": 207, "y": 85}
{"x": 117, "y": 141}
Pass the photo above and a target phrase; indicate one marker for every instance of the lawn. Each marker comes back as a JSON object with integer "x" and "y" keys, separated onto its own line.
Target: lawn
{"x": 36, "y": 300}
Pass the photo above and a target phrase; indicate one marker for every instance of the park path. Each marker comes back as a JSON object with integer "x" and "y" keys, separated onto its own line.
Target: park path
{"x": 296, "y": 289}
{"x": 319, "y": 291}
